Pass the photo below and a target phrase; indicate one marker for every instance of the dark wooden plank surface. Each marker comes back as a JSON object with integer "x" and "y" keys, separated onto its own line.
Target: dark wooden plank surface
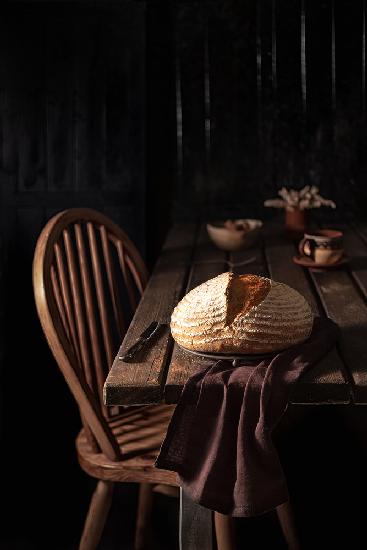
{"x": 343, "y": 294}
{"x": 208, "y": 261}
{"x": 327, "y": 381}
{"x": 136, "y": 383}
{"x": 195, "y": 525}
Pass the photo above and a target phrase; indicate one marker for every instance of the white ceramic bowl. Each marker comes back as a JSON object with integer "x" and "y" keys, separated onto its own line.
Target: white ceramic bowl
{"x": 231, "y": 239}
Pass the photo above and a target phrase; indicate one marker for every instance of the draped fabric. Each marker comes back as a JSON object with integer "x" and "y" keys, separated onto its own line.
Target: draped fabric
{"x": 219, "y": 440}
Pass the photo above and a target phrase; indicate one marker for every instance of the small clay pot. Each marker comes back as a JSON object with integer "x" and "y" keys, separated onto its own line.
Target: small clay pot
{"x": 295, "y": 222}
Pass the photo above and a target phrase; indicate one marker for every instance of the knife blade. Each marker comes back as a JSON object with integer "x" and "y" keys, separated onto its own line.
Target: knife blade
{"x": 144, "y": 337}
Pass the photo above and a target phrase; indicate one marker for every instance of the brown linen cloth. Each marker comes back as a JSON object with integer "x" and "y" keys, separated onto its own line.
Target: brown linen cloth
{"x": 219, "y": 440}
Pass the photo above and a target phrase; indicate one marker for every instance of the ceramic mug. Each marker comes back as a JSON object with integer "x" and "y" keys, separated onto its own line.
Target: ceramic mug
{"x": 323, "y": 247}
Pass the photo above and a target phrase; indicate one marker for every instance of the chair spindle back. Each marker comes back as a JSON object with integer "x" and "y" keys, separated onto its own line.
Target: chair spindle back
{"x": 88, "y": 278}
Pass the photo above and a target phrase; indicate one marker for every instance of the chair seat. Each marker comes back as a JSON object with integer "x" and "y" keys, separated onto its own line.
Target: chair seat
{"x": 139, "y": 432}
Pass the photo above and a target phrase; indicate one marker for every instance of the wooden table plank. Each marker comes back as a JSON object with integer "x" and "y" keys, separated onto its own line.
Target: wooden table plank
{"x": 142, "y": 382}
{"x": 327, "y": 382}
{"x": 343, "y": 293}
{"x": 208, "y": 262}
{"x": 355, "y": 242}
{"x": 139, "y": 383}
{"x": 279, "y": 251}
{"x": 257, "y": 267}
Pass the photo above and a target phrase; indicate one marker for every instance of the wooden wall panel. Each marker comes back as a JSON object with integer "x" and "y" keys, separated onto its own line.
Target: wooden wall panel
{"x": 290, "y": 115}
{"x": 266, "y": 83}
{"x": 320, "y": 108}
{"x": 223, "y": 79}
{"x": 350, "y": 119}
{"x": 161, "y": 132}
{"x": 190, "y": 30}
{"x": 232, "y": 37}
{"x": 59, "y": 70}
{"x": 248, "y": 105}
{"x": 30, "y": 98}
{"x": 89, "y": 100}
{"x": 287, "y": 103}
{"x": 72, "y": 99}
{"x": 72, "y": 109}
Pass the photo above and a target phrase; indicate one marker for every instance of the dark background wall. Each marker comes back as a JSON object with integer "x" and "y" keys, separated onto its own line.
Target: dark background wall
{"x": 269, "y": 93}
{"x": 152, "y": 111}
{"x": 72, "y": 119}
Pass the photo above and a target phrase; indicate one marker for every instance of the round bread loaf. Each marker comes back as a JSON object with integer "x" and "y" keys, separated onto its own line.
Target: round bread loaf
{"x": 241, "y": 314}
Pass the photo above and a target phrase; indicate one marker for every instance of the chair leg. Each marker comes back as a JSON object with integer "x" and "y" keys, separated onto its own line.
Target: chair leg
{"x": 144, "y": 515}
{"x": 224, "y": 532}
{"x": 97, "y": 515}
{"x": 286, "y": 520}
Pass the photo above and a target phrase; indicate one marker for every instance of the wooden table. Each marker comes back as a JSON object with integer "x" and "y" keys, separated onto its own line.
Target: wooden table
{"x": 189, "y": 258}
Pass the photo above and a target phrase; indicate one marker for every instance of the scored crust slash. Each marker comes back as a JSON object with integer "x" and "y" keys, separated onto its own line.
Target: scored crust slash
{"x": 245, "y": 292}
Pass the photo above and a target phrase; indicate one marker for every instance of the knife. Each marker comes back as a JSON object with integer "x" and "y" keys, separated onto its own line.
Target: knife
{"x": 144, "y": 337}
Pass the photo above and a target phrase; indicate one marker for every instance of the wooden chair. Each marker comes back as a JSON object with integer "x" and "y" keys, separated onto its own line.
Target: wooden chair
{"x": 86, "y": 274}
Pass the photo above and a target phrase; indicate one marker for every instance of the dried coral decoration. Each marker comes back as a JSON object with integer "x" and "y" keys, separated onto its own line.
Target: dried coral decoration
{"x": 305, "y": 199}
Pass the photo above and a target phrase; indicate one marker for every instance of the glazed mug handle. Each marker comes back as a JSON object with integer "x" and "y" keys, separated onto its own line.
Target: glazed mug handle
{"x": 305, "y": 248}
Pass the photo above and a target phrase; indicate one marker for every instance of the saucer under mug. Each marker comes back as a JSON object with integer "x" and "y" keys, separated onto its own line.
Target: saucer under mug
{"x": 308, "y": 262}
